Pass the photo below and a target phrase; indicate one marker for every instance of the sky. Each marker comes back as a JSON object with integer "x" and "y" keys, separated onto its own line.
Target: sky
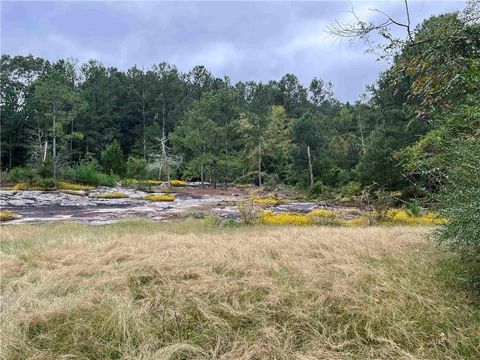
{"x": 258, "y": 41}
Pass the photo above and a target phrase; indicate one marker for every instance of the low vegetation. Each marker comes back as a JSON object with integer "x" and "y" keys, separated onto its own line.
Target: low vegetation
{"x": 74, "y": 192}
{"x": 330, "y": 217}
{"x": 403, "y": 217}
{"x": 111, "y": 195}
{"x": 6, "y": 215}
{"x": 268, "y": 217}
{"x": 268, "y": 201}
{"x": 178, "y": 182}
{"x": 25, "y": 187}
{"x": 64, "y": 185}
{"x": 164, "y": 197}
{"x": 141, "y": 181}
{"x": 139, "y": 290}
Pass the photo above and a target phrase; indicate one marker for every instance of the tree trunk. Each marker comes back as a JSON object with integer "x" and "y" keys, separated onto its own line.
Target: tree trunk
{"x": 310, "y": 170}
{"x": 168, "y": 176}
{"x": 54, "y": 145}
{"x": 226, "y": 158}
{"x": 10, "y": 153}
{"x": 163, "y": 116}
{"x": 363, "y": 142}
{"x": 259, "y": 165}
{"x": 45, "y": 151}
{"x": 71, "y": 137}
{"x": 143, "y": 121}
{"x": 201, "y": 176}
{"x": 165, "y": 159}
{"x": 214, "y": 174}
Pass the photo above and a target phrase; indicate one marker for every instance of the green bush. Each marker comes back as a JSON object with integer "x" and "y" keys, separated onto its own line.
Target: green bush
{"x": 414, "y": 208}
{"x": 112, "y": 159}
{"x": 67, "y": 173}
{"x": 24, "y": 174}
{"x": 88, "y": 172}
{"x": 45, "y": 170}
{"x": 317, "y": 189}
{"x": 459, "y": 200}
{"x": 136, "y": 168}
{"x": 47, "y": 183}
{"x": 351, "y": 189}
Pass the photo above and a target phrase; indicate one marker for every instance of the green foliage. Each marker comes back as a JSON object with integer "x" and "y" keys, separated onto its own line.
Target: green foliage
{"x": 459, "y": 197}
{"x": 317, "y": 189}
{"x": 47, "y": 183}
{"x": 351, "y": 189}
{"x": 23, "y": 174}
{"x": 248, "y": 212}
{"x": 382, "y": 201}
{"x": 88, "y": 172}
{"x": 112, "y": 159}
{"x": 414, "y": 208}
{"x": 136, "y": 168}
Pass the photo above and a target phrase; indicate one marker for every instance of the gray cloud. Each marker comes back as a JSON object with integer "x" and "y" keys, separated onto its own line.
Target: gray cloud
{"x": 244, "y": 40}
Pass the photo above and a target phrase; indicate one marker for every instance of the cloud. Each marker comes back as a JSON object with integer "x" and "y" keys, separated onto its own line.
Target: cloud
{"x": 244, "y": 40}
{"x": 220, "y": 57}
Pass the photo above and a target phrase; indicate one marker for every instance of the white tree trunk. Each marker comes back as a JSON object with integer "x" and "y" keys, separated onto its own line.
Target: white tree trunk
{"x": 259, "y": 165}
{"x": 54, "y": 144}
{"x": 310, "y": 170}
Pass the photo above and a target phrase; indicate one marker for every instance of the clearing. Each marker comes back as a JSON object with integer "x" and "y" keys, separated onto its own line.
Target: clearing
{"x": 97, "y": 207}
{"x": 193, "y": 290}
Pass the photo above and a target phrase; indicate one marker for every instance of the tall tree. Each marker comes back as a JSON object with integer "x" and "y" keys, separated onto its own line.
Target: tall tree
{"x": 58, "y": 102}
{"x": 307, "y": 138}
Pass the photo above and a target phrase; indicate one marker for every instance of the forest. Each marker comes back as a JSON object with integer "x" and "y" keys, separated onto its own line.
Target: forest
{"x": 414, "y": 133}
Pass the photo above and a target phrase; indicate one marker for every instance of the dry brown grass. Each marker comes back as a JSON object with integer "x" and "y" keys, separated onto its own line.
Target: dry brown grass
{"x": 139, "y": 290}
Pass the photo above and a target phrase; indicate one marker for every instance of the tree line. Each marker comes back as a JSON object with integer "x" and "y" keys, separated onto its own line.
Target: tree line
{"x": 195, "y": 125}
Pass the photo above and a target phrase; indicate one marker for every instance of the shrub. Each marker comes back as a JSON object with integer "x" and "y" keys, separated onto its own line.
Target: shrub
{"x": 271, "y": 200}
{"x": 268, "y": 217}
{"x": 178, "y": 182}
{"x": 317, "y": 189}
{"x": 112, "y": 195}
{"x": 6, "y": 215}
{"x": 351, "y": 189}
{"x": 164, "y": 197}
{"x": 112, "y": 159}
{"x": 47, "y": 183}
{"x": 231, "y": 223}
{"x": 67, "y": 173}
{"x": 212, "y": 220}
{"x": 358, "y": 221}
{"x": 27, "y": 187}
{"x": 248, "y": 212}
{"x": 322, "y": 213}
{"x": 136, "y": 168}
{"x": 402, "y": 217}
{"x": 23, "y": 174}
{"x": 64, "y": 185}
{"x": 324, "y": 217}
{"x": 88, "y": 172}
{"x": 45, "y": 170}
{"x": 414, "y": 208}
{"x": 382, "y": 201}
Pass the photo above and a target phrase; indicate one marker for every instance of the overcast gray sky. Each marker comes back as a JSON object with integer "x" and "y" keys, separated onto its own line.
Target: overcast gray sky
{"x": 245, "y": 40}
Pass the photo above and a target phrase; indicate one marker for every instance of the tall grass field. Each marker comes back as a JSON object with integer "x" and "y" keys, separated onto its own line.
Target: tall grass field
{"x": 138, "y": 290}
